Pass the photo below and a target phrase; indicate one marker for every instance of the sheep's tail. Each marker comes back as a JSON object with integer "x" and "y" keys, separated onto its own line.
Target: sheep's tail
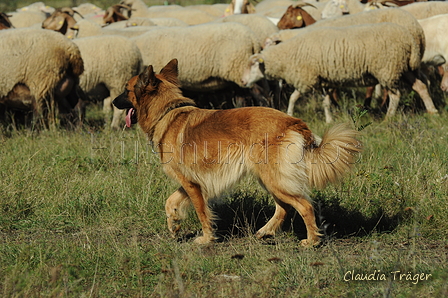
{"x": 336, "y": 154}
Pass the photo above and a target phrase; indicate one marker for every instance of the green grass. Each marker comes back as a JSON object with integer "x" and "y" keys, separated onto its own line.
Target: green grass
{"x": 82, "y": 215}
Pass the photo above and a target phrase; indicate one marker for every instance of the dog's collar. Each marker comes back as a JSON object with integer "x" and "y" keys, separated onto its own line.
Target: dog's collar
{"x": 179, "y": 105}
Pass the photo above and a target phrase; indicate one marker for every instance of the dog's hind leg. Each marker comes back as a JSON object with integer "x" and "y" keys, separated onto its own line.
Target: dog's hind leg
{"x": 273, "y": 225}
{"x": 306, "y": 210}
{"x": 175, "y": 208}
{"x": 202, "y": 210}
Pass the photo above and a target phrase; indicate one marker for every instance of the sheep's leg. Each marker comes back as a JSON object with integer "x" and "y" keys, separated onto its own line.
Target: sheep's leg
{"x": 107, "y": 105}
{"x": 117, "y": 116}
{"x": 107, "y": 110}
{"x": 292, "y": 101}
{"x": 368, "y": 98}
{"x": 394, "y": 99}
{"x": 326, "y": 104}
{"x": 422, "y": 90}
{"x": 334, "y": 97}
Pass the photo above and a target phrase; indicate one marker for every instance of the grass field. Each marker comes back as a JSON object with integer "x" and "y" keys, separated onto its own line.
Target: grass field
{"x": 82, "y": 215}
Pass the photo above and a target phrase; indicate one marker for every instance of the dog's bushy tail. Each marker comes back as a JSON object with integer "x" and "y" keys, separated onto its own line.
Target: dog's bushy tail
{"x": 336, "y": 154}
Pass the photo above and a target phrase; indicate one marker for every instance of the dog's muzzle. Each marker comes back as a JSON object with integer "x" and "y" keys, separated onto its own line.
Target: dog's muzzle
{"x": 122, "y": 102}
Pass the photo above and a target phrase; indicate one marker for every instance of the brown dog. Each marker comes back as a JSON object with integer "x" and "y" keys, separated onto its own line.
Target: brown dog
{"x": 208, "y": 151}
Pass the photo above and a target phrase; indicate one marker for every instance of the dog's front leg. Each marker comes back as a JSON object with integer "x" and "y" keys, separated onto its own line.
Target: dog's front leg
{"x": 175, "y": 208}
{"x": 202, "y": 210}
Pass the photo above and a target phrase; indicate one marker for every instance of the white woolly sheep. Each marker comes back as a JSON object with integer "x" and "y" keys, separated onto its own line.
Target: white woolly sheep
{"x": 280, "y": 36}
{"x": 337, "y": 8}
{"x": 209, "y": 55}
{"x": 42, "y": 61}
{"x": 109, "y": 62}
{"x": 38, "y": 7}
{"x": 273, "y": 8}
{"x": 24, "y": 19}
{"x": 85, "y": 28}
{"x": 392, "y": 15}
{"x": 165, "y": 22}
{"x": 313, "y": 58}
{"x": 260, "y": 25}
{"x": 88, "y": 8}
{"x": 422, "y": 10}
{"x": 216, "y": 10}
{"x": 190, "y": 16}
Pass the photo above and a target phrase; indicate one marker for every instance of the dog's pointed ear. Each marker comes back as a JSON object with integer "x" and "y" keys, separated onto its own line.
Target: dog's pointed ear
{"x": 170, "y": 72}
{"x": 148, "y": 77}
{"x": 145, "y": 79}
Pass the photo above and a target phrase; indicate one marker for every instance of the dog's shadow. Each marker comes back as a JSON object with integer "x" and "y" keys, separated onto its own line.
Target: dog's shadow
{"x": 241, "y": 215}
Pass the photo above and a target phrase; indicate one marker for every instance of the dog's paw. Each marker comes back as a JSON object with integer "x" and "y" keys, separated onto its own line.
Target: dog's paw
{"x": 173, "y": 226}
{"x": 310, "y": 243}
{"x": 264, "y": 234}
{"x": 204, "y": 239}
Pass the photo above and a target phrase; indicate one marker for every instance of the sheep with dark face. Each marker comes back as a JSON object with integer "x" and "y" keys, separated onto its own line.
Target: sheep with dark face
{"x": 5, "y": 23}
{"x": 313, "y": 58}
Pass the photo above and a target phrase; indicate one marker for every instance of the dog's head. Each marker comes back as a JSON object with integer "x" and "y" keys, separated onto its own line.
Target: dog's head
{"x": 141, "y": 90}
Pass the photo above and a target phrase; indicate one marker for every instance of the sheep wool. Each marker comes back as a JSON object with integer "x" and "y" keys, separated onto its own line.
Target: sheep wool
{"x": 391, "y": 15}
{"x": 205, "y": 52}
{"x": 110, "y": 61}
{"x": 349, "y": 56}
{"x": 422, "y": 10}
{"x": 261, "y": 25}
{"x": 37, "y": 58}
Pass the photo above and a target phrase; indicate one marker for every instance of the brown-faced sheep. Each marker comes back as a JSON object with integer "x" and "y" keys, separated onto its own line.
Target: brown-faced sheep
{"x": 296, "y": 17}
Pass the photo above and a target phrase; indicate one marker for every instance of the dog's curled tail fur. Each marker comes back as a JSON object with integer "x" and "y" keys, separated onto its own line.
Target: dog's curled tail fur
{"x": 335, "y": 155}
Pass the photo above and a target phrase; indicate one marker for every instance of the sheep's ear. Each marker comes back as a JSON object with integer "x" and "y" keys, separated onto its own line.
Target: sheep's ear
{"x": 146, "y": 79}
{"x": 59, "y": 21}
{"x": 170, "y": 72}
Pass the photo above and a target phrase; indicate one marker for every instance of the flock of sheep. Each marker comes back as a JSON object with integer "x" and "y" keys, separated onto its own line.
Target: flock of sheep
{"x": 60, "y": 59}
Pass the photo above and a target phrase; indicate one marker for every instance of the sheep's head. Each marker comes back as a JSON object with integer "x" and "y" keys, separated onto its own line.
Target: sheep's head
{"x": 60, "y": 20}
{"x": 272, "y": 40}
{"x": 335, "y": 8}
{"x": 239, "y": 7}
{"x": 116, "y": 13}
{"x": 5, "y": 23}
{"x": 254, "y": 71}
{"x": 296, "y": 17}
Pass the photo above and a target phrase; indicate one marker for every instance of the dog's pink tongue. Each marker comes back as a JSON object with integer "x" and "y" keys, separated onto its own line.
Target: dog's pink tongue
{"x": 128, "y": 117}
